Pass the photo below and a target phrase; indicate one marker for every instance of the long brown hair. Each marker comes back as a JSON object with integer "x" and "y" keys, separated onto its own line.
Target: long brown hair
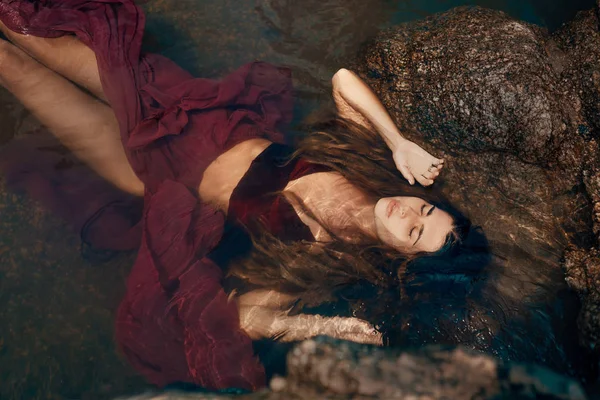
{"x": 313, "y": 271}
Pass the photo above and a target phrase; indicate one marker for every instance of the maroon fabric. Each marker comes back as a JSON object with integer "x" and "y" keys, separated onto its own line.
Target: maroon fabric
{"x": 257, "y": 196}
{"x": 175, "y": 323}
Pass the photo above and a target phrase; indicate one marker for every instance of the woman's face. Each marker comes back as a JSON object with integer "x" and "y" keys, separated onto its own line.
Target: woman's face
{"x": 411, "y": 225}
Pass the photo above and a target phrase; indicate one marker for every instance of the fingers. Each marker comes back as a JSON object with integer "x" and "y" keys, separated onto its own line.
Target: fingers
{"x": 418, "y": 150}
{"x": 437, "y": 162}
{"x": 415, "y": 167}
{"x": 432, "y": 174}
{"x": 435, "y": 169}
{"x": 433, "y": 160}
{"x": 405, "y": 171}
{"x": 427, "y": 177}
{"x": 424, "y": 181}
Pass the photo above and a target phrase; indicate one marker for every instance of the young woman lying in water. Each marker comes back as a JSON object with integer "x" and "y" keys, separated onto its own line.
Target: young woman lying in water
{"x": 207, "y": 158}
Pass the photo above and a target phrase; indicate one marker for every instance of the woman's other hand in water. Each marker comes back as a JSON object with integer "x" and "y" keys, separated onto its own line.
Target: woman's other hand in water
{"x": 415, "y": 163}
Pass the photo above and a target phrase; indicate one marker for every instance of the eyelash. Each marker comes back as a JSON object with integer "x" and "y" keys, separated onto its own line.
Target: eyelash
{"x": 414, "y": 227}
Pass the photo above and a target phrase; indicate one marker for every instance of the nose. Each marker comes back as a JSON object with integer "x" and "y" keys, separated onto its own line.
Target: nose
{"x": 403, "y": 211}
{"x": 406, "y": 212}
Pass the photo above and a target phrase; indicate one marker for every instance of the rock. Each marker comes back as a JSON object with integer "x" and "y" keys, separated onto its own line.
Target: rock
{"x": 582, "y": 39}
{"x": 515, "y": 110}
{"x": 329, "y": 369}
{"x": 480, "y": 86}
{"x": 583, "y": 274}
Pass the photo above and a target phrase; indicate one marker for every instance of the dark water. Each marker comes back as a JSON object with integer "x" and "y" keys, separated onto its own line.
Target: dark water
{"x": 56, "y": 335}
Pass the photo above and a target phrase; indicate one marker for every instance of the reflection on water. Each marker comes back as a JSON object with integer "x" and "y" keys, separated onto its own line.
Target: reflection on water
{"x": 56, "y": 315}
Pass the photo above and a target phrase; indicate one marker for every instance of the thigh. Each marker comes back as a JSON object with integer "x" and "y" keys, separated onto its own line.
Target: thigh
{"x": 81, "y": 122}
{"x": 65, "y": 55}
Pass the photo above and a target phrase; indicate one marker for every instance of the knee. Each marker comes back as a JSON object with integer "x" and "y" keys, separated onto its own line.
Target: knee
{"x": 15, "y": 65}
{"x": 4, "y": 51}
{"x": 134, "y": 186}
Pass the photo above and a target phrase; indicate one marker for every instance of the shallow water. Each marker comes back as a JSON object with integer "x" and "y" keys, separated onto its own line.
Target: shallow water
{"x": 57, "y": 306}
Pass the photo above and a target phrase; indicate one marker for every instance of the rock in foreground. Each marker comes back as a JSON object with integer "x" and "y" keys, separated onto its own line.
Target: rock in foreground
{"x": 329, "y": 369}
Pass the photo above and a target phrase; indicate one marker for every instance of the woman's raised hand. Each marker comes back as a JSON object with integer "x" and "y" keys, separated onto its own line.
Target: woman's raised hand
{"x": 415, "y": 163}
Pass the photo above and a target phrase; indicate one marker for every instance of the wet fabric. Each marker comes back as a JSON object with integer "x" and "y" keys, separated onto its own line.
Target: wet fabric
{"x": 175, "y": 323}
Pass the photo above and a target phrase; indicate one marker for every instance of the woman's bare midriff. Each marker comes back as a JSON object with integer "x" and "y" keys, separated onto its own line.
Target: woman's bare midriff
{"x": 223, "y": 174}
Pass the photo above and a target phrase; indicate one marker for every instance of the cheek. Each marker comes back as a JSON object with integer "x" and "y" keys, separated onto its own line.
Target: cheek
{"x": 380, "y": 228}
{"x": 388, "y": 237}
{"x": 396, "y": 233}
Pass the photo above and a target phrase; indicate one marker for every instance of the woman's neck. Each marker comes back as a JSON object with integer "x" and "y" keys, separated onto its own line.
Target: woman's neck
{"x": 331, "y": 202}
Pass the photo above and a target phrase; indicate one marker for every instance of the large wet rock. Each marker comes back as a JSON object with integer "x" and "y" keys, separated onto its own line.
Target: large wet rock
{"x": 484, "y": 88}
{"x": 580, "y": 39}
{"x": 328, "y": 369}
{"x": 515, "y": 110}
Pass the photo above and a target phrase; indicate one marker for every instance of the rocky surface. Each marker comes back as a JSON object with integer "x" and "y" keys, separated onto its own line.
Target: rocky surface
{"x": 583, "y": 274}
{"x": 515, "y": 111}
{"x": 327, "y": 369}
{"x": 581, "y": 39}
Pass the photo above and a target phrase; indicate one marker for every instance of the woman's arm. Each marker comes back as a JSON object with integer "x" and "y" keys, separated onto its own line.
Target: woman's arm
{"x": 263, "y": 315}
{"x": 356, "y": 101}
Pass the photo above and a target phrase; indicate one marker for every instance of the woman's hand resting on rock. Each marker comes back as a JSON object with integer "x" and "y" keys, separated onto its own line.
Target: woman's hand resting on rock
{"x": 415, "y": 163}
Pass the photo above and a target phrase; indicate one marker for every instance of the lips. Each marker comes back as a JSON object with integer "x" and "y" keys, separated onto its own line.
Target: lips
{"x": 391, "y": 207}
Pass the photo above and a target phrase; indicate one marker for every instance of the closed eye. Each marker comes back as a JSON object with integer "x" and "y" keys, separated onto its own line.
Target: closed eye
{"x": 422, "y": 226}
{"x": 420, "y": 234}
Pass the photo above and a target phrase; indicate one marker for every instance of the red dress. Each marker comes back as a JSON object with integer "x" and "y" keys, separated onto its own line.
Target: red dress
{"x": 175, "y": 323}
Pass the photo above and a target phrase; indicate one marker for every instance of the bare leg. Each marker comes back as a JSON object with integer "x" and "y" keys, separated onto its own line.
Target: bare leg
{"x": 66, "y": 55}
{"x": 84, "y": 124}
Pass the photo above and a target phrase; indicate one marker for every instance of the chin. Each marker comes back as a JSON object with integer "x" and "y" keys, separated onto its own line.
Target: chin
{"x": 380, "y": 219}
{"x": 379, "y": 210}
